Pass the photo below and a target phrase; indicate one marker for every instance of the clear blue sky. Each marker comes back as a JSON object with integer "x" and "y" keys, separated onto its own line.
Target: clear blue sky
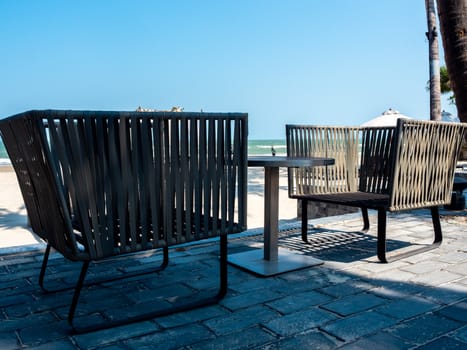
{"x": 296, "y": 61}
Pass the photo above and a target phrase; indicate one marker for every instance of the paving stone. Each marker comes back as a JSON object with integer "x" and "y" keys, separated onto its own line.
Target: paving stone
{"x": 64, "y": 344}
{"x": 249, "y": 299}
{"x": 202, "y": 283}
{"x": 311, "y": 340}
{"x": 168, "y": 291}
{"x": 114, "y": 347}
{"x": 354, "y": 303}
{"x": 136, "y": 310}
{"x": 461, "y": 334}
{"x": 113, "y": 335}
{"x": 300, "y": 301}
{"x": 396, "y": 275}
{"x": 10, "y": 325}
{"x": 299, "y": 321}
{"x": 378, "y": 341}
{"x": 173, "y": 338}
{"x": 317, "y": 276}
{"x": 444, "y": 343}
{"x": 457, "y": 312}
{"x": 260, "y": 283}
{"x": 397, "y": 290}
{"x": 43, "y": 333}
{"x": 241, "y": 319}
{"x": 8, "y": 341}
{"x": 13, "y": 260}
{"x": 48, "y": 302}
{"x": 458, "y": 268}
{"x": 245, "y": 339}
{"x": 424, "y": 328}
{"x": 16, "y": 299}
{"x": 359, "y": 325}
{"x": 297, "y": 287}
{"x": 192, "y": 316}
{"x": 14, "y": 285}
{"x": 379, "y": 268}
{"x": 446, "y": 294}
{"x": 436, "y": 278}
{"x": 407, "y": 308}
{"x": 115, "y": 304}
{"x": 347, "y": 288}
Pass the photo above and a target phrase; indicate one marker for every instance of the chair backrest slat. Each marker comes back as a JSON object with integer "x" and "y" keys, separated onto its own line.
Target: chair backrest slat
{"x": 376, "y": 159}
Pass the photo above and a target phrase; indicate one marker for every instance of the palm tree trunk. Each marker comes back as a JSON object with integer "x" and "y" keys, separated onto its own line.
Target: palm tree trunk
{"x": 433, "y": 54}
{"x": 453, "y": 24}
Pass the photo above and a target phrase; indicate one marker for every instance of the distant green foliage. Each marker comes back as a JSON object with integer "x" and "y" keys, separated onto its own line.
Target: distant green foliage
{"x": 444, "y": 78}
{"x": 445, "y": 84}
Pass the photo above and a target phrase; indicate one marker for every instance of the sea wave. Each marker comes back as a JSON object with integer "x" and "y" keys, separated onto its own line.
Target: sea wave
{"x": 5, "y": 161}
{"x": 269, "y": 147}
{"x": 265, "y": 147}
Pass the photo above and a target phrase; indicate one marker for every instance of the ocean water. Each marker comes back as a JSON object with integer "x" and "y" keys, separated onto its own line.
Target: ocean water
{"x": 3, "y": 155}
{"x": 265, "y": 147}
{"x": 255, "y": 148}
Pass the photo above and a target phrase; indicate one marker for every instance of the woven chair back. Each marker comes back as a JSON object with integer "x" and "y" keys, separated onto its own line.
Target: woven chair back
{"x": 425, "y": 157}
{"x": 340, "y": 143}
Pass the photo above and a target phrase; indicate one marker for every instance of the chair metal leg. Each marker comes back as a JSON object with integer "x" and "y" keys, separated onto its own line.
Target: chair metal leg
{"x": 382, "y": 235}
{"x": 78, "y": 287}
{"x": 420, "y": 249}
{"x": 45, "y": 260}
{"x": 436, "y": 225}
{"x": 223, "y": 268}
{"x": 210, "y": 300}
{"x": 366, "y": 221}
{"x": 305, "y": 220}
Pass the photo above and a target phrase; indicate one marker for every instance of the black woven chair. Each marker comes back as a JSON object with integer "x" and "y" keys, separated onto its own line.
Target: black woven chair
{"x": 103, "y": 184}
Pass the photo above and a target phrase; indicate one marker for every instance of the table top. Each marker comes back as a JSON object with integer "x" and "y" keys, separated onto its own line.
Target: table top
{"x": 290, "y": 162}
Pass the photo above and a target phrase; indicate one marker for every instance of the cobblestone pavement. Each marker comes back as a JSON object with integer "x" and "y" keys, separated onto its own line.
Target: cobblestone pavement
{"x": 349, "y": 302}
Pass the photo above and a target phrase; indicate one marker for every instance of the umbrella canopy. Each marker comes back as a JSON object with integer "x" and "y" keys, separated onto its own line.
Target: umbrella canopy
{"x": 387, "y": 118}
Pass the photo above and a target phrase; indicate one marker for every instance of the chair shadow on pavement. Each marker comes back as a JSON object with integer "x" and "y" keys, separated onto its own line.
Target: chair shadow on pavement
{"x": 337, "y": 245}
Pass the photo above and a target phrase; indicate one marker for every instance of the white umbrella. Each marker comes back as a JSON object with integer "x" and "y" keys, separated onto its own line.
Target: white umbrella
{"x": 388, "y": 118}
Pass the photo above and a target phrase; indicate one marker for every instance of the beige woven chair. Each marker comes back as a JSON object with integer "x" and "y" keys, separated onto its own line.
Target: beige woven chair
{"x": 407, "y": 167}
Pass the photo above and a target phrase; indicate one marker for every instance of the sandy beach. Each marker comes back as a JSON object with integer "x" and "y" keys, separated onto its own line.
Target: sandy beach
{"x": 14, "y": 231}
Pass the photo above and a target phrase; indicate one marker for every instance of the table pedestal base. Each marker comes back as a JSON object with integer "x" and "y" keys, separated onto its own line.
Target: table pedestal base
{"x": 253, "y": 261}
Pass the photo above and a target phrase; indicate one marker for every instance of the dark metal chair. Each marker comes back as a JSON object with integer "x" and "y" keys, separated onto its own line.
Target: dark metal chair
{"x": 101, "y": 184}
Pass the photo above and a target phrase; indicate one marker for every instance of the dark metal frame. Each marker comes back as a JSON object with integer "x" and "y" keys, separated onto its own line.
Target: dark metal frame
{"x": 223, "y": 286}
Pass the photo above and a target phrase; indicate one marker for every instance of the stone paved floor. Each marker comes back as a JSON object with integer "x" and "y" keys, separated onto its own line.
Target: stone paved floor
{"x": 349, "y": 302}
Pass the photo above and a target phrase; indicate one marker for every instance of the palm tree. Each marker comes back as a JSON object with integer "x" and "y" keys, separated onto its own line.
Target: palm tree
{"x": 453, "y": 25}
{"x": 433, "y": 54}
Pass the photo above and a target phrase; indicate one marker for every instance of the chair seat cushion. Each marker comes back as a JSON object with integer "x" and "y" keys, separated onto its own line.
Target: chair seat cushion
{"x": 353, "y": 199}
